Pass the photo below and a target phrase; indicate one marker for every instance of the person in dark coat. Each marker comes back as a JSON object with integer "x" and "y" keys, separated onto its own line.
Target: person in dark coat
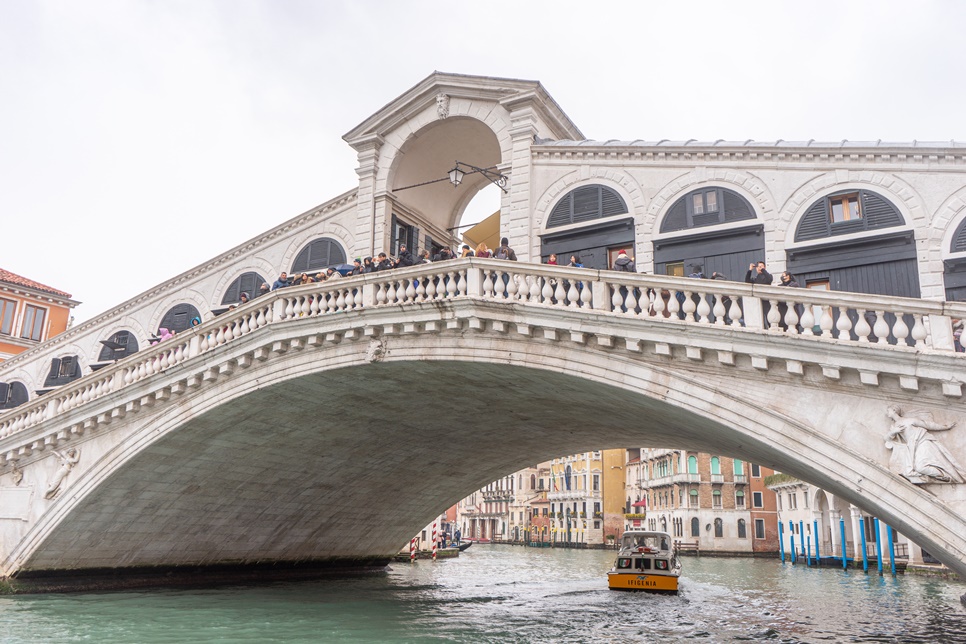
{"x": 758, "y": 275}
{"x": 281, "y": 282}
{"x": 443, "y": 255}
{"x": 367, "y": 265}
{"x": 504, "y": 251}
{"x": 787, "y": 279}
{"x": 356, "y": 267}
{"x": 405, "y": 257}
{"x": 382, "y": 264}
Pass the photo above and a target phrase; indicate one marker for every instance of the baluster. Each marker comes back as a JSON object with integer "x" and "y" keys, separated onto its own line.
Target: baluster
{"x": 791, "y": 319}
{"x": 421, "y": 289}
{"x": 381, "y": 295}
{"x": 573, "y": 294}
{"x": 560, "y": 294}
{"x": 546, "y": 294}
{"x": 658, "y": 302}
{"x": 246, "y": 328}
{"x": 918, "y": 331}
{"x": 843, "y": 325}
{"x": 900, "y": 329}
{"x": 220, "y": 337}
{"x": 487, "y": 284}
{"x": 808, "y": 320}
{"x": 165, "y": 363}
{"x": 774, "y": 317}
{"x": 704, "y": 309}
{"x": 431, "y": 288}
{"x": 314, "y": 304}
{"x": 340, "y": 301}
{"x": 630, "y": 302}
{"x": 391, "y": 292}
{"x": 862, "y": 328}
{"x": 451, "y": 284}
{"x": 719, "y": 309}
{"x": 881, "y": 328}
{"x": 179, "y": 352}
{"x": 411, "y": 290}
{"x": 204, "y": 344}
{"x": 260, "y": 319}
{"x": 289, "y": 310}
{"x": 616, "y": 299}
{"x": 461, "y": 283}
{"x": 358, "y": 298}
{"x": 673, "y": 306}
{"x": 688, "y": 306}
{"x": 332, "y": 302}
{"x": 142, "y": 371}
{"x": 306, "y": 307}
{"x": 128, "y": 376}
{"x": 587, "y": 297}
{"x": 535, "y": 289}
{"x": 826, "y": 322}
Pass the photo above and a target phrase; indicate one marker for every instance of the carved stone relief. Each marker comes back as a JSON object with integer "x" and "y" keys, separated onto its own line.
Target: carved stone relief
{"x": 917, "y": 455}
{"x": 442, "y": 105}
{"x": 68, "y": 460}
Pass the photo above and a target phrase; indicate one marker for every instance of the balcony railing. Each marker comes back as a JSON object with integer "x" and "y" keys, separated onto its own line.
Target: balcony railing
{"x": 740, "y": 479}
{"x": 717, "y": 478}
{"x": 899, "y": 324}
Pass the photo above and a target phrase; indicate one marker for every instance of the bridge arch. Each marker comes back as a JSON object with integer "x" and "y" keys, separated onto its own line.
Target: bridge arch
{"x": 241, "y": 476}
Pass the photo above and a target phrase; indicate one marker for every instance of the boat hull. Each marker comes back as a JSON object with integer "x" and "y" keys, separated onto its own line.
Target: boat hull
{"x": 647, "y": 583}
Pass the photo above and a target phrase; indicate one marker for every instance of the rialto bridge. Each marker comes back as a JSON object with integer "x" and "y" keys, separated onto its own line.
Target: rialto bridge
{"x": 324, "y": 424}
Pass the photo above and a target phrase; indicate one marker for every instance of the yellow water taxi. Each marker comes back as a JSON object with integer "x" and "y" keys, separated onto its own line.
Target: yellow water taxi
{"x": 646, "y": 561}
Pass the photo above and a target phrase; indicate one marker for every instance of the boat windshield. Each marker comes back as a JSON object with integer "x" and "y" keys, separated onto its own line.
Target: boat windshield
{"x": 652, "y": 541}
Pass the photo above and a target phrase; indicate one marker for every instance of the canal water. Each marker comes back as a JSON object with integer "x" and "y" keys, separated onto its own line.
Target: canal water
{"x": 510, "y": 594}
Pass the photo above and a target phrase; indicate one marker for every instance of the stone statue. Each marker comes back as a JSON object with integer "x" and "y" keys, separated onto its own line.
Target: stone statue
{"x": 67, "y": 462}
{"x": 442, "y": 105}
{"x": 916, "y": 454}
{"x": 17, "y": 474}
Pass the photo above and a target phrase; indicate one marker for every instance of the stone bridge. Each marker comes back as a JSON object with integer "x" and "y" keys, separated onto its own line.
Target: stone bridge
{"x": 325, "y": 424}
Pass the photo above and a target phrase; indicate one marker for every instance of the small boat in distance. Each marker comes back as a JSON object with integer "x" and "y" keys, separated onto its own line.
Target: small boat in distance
{"x": 646, "y": 561}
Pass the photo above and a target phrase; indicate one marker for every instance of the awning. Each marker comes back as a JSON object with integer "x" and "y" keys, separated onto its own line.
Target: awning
{"x": 487, "y": 231}
{"x": 640, "y": 504}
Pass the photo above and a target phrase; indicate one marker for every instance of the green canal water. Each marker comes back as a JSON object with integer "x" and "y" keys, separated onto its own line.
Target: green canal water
{"x": 511, "y": 594}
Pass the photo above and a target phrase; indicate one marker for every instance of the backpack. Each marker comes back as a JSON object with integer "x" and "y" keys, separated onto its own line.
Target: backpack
{"x": 502, "y": 253}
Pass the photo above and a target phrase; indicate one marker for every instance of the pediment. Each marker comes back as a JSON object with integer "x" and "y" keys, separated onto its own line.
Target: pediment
{"x": 512, "y": 93}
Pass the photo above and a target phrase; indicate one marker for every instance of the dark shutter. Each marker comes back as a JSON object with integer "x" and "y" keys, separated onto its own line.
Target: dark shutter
{"x": 732, "y": 207}
{"x": 736, "y": 207}
{"x": 815, "y": 223}
{"x": 584, "y": 204}
{"x": 959, "y": 239}
{"x": 317, "y": 255}
{"x": 676, "y": 217}
{"x": 879, "y": 212}
{"x": 54, "y": 372}
{"x": 179, "y": 317}
{"x": 4, "y": 393}
{"x": 245, "y": 283}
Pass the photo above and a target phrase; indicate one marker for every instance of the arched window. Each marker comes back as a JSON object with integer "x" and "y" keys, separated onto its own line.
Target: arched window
{"x": 706, "y": 207}
{"x": 739, "y": 467}
{"x": 119, "y": 345}
{"x": 319, "y": 254}
{"x": 584, "y": 204}
{"x": 695, "y": 527}
{"x": 718, "y": 528}
{"x": 567, "y": 477}
{"x": 845, "y": 212}
{"x": 178, "y": 318}
{"x": 244, "y": 283}
{"x": 692, "y": 465}
{"x": 742, "y": 530}
{"x": 533, "y": 481}
{"x": 12, "y": 394}
{"x": 715, "y": 465}
{"x": 958, "y": 244}
{"x": 62, "y": 370}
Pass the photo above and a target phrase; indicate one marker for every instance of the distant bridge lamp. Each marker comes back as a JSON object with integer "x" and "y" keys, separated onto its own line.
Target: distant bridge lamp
{"x": 461, "y": 169}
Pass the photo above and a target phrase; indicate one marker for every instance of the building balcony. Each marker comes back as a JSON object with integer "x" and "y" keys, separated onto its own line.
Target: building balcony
{"x": 717, "y": 478}
{"x": 741, "y": 479}
{"x": 635, "y": 515}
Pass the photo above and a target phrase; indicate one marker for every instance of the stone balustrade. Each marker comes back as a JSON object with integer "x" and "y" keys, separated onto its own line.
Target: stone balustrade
{"x": 889, "y": 323}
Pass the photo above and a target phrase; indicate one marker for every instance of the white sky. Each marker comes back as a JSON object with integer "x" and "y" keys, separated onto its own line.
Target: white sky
{"x": 139, "y": 139}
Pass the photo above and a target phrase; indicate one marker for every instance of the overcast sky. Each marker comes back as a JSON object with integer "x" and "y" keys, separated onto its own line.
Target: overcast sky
{"x": 139, "y": 139}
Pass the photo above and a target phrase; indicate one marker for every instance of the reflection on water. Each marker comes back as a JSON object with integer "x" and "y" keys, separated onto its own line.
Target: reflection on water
{"x": 504, "y": 593}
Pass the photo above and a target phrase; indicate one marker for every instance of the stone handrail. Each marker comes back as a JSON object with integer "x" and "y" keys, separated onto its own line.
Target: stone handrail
{"x": 887, "y": 322}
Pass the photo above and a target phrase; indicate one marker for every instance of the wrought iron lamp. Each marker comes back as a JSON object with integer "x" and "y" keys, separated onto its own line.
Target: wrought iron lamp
{"x": 461, "y": 169}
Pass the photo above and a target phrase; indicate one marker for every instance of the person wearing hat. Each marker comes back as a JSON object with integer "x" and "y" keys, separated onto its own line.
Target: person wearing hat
{"x": 504, "y": 251}
{"x": 356, "y": 267}
{"x": 624, "y": 263}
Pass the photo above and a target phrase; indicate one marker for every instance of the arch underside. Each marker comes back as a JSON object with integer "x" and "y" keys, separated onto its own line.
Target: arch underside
{"x": 309, "y": 464}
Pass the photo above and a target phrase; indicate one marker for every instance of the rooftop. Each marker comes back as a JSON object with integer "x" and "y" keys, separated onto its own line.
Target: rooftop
{"x": 6, "y": 277}
{"x": 751, "y": 143}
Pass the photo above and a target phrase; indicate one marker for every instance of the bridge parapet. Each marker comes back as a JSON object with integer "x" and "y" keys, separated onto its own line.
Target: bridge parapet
{"x": 900, "y": 325}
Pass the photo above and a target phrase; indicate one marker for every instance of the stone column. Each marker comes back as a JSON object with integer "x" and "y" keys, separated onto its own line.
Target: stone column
{"x": 856, "y": 533}
{"x": 515, "y": 206}
{"x": 834, "y": 518}
{"x": 367, "y": 149}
